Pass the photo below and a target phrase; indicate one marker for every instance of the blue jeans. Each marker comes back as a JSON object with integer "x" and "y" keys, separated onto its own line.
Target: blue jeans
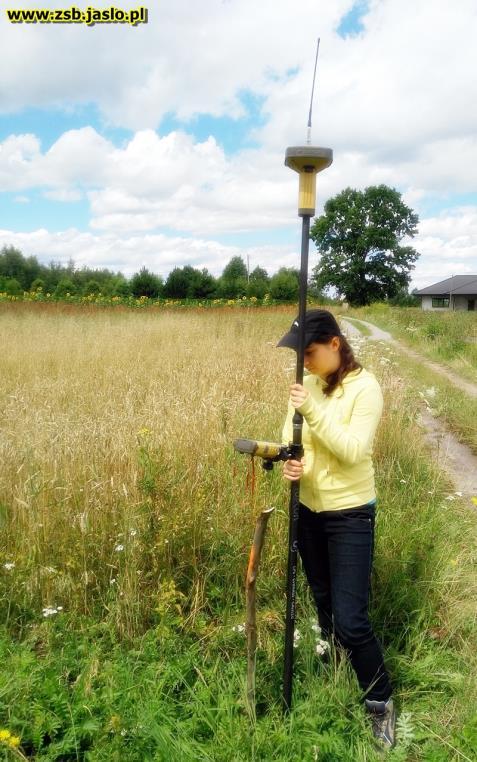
{"x": 336, "y": 548}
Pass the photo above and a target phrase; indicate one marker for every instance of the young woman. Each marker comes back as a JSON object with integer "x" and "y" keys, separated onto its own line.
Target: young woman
{"x": 341, "y": 404}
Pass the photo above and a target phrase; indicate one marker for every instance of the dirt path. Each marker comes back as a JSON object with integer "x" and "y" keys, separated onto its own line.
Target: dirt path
{"x": 379, "y": 335}
{"x": 457, "y": 460}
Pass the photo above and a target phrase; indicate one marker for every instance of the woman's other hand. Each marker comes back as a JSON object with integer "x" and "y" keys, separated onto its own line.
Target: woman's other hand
{"x": 293, "y": 469}
{"x": 298, "y": 395}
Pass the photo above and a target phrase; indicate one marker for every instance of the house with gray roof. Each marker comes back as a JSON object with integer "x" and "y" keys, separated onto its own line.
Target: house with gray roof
{"x": 456, "y": 293}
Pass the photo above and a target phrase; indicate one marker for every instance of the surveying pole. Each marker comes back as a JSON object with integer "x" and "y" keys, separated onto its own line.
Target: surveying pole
{"x": 307, "y": 161}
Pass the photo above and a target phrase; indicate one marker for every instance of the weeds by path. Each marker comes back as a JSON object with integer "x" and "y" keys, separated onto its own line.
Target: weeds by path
{"x": 446, "y": 337}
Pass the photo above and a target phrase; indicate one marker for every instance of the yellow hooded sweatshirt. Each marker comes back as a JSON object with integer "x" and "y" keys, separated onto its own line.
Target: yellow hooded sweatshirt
{"x": 338, "y": 433}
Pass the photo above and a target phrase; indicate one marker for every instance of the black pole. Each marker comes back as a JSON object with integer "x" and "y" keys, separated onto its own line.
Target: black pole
{"x": 295, "y": 486}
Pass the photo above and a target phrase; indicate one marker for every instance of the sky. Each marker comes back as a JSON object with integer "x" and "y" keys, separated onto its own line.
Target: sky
{"x": 162, "y": 144}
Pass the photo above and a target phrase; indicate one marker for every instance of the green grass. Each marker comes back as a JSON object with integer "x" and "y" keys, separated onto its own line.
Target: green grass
{"x": 117, "y": 432}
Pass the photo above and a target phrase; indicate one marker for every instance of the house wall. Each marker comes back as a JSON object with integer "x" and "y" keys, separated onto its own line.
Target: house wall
{"x": 459, "y": 303}
{"x": 426, "y": 304}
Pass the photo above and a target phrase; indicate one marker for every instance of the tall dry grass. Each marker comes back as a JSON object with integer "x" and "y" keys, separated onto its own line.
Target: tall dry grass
{"x": 122, "y": 502}
{"x": 116, "y": 449}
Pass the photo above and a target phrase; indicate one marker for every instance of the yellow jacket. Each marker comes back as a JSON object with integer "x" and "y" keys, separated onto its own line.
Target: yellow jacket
{"x": 338, "y": 433}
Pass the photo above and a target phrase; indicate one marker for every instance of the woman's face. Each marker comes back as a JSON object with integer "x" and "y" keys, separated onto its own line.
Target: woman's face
{"x": 323, "y": 359}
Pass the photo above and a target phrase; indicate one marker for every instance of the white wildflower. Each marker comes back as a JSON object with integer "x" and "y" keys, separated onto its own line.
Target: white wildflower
{"x": 133, "y": 532}
{"x": 49, "y": 611}
{"x": 322, "y": 647}
{"x": 9, "y": 566}
{"x": 239, "y": 628}
{"x": 119, "y": 548}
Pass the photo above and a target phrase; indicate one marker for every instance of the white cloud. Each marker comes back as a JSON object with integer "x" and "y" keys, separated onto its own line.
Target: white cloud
{"x": 155, "y": 182}
{"x": 63, "y": 194}
{"x": 128, "y": 254}
{"x": 448, "y": 246}
{"x": 190, "y": 58}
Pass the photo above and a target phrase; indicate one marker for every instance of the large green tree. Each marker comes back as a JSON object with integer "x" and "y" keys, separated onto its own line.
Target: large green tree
{"x": 359, "y": 240}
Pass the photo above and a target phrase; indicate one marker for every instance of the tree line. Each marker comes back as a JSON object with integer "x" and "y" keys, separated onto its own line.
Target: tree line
{"x": 359, "y": 240}
{"x": 19, "y": 273}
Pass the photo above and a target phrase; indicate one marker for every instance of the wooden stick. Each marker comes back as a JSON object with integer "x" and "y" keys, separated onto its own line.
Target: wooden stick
{"x": 251, "y": 619}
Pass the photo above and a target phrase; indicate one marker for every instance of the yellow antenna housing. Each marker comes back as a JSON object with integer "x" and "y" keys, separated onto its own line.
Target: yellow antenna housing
{"x": 307, "y": 161}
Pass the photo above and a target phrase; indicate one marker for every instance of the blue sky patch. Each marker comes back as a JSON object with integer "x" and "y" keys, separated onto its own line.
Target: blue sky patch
{"x": 39, "y": 212}
{"x": 49, "y": 124}
{"x": 432, "y": 206}
{"x": 351, "y": 24}
{"x": 232, "y": 134}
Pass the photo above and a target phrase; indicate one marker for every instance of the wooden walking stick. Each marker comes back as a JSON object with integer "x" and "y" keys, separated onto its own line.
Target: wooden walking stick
{"x": 251, "y": 618}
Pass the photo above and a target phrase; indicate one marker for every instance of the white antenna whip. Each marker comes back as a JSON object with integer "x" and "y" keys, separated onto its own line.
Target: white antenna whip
{"x": 308, "y": 136}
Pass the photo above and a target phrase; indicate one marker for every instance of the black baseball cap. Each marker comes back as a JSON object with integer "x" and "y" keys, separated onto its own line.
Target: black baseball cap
{"x": 319, "y": 325}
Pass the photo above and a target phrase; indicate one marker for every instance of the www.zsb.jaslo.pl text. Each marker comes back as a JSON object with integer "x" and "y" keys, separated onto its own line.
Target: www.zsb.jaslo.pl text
{"x": 89, "y": 16}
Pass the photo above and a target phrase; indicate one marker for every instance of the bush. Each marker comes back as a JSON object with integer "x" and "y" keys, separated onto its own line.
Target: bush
{"x": 92, "y": 287}
{"x": 64, "y": 287}
{"x": 38, "y": 285}
{"x": 145, "y": 283}
{"x": 12, "y": 287}
{"x": 284, "y": 285}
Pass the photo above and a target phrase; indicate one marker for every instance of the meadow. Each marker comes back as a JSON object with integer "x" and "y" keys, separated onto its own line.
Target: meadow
{"x": 126, "y": 523}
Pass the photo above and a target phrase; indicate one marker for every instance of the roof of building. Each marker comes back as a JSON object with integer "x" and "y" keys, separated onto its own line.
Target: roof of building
{"x": 458, "y": 284}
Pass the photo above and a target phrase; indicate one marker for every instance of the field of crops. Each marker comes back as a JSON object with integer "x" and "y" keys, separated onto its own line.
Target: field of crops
{"x": 126, "y": 524}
